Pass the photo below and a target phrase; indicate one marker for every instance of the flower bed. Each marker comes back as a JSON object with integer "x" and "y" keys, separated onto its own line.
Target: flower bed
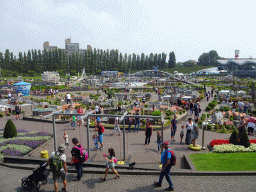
{"x": 25, "y": 142}
{"x": 224, "y": 141}
{"x": 230, "y": 148}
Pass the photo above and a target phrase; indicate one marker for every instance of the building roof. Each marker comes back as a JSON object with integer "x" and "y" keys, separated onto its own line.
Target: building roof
{"x": 238, "y": 62}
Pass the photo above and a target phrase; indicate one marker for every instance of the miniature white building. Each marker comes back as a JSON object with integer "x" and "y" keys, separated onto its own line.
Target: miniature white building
{"x": 51, "y": 76}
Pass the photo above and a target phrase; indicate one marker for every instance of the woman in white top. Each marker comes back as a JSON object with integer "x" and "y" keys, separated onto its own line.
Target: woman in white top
{"x": 189, "y": 127}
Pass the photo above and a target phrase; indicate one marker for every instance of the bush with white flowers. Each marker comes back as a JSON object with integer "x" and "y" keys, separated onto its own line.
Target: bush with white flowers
{"x": 230, "y": 148}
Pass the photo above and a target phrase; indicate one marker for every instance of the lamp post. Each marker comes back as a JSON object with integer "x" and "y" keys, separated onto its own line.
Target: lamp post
{"x": 203, "y": 125}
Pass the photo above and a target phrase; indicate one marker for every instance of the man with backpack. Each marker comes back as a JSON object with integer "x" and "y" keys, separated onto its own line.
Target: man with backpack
{"x": 77, "y": 160}
{"x": 58, "y": 166}
{"x": 168, "y": 160}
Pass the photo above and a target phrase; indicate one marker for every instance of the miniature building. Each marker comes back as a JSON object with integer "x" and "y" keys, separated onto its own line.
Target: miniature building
{"x": 51, "y": 76}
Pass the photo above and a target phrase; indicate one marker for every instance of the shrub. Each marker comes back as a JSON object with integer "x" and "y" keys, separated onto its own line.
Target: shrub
{"x": 9, "y": 114}
{"x": 1, "y": 114}
{"x": 225, "y": 108}
{"x": 10, "y": 130}
{"x": 208, "y": 115}
{"x": 208, "y": 108}
{"x": 200, "y": 123}
{"x": 156, "y": 113}
{"x": 143, "y": 122}
{"x": 234, "y": 138}
{"x": 212, "y": 105}
{"x": 223, "y": 129}
{"x": 233, "y": 127}
{"x": 244, "y": 140}
{"x": 227, "y": 127}
{"x": 209, "y": 127}
{"x": 216, "y": 127}
{"x": 146, "y": 105}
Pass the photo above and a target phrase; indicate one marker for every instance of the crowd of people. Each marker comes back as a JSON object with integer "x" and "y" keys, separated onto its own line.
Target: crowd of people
{"x": 189, "y": 131}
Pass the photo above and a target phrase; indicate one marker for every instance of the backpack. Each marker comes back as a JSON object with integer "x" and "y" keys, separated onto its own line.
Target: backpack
{"x": 56, "y": 164}
{"x": 196, "y": 107}
{"x": 173, "y": 158}
{"x": 102, "y": 128}
{"x": 83, "y": 154}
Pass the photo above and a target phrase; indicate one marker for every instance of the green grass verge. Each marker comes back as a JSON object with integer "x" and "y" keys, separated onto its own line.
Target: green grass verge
{"x": 224, "y": 161}
{"x": 39, "y": 77}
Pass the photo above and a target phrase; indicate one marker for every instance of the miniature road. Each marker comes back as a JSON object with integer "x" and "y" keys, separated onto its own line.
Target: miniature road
{"x": 11, "y": 181}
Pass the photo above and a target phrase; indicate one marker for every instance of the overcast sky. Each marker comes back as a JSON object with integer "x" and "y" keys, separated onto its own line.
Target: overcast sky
{"x": 187, "y": 27}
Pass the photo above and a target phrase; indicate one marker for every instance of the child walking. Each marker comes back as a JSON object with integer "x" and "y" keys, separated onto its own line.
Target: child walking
{"x": 182, "y": 133}
{"x": 110, "y": 164}
{"x": 73, "y": 122}
{"x": 158, "y": 141}
{"x": 66, "y": 139}
{"x": 96, "y": 140}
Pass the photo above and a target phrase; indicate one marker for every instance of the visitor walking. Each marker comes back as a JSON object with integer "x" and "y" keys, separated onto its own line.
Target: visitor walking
{"x": 251, "y": 125}
{"x": 137, "y": 121}
{"x": 76, "y": 159}
{"x": 129, "y": 119}
{"x": 173, "y": 128}
{"x": 116, "y": 127}
{"x": 195, "y": 132}
{"x": 196, "y": 109}
{"x": 182, "y": 133}
{"x": 148, "y": 133}
{"x": 100, "y": 129}
{"x": 191, "y": 107}
{"x": 158, "y": 141}
{"x": 245, "y": 107}
{"x": 143, "y": 100}
{"x": 65, "y": 137}
{"x": 79, "y": 119}
{"x": 110, "y": 163}
{"x": 58, "y": 166}
{"x": 189, "y": 127}
{"x": 240, "y": 106}
{"x": 241, "y": 127}
{"x": 166, "y": 167}
{"x": 17, "y": 111}
{"x": 68, "y": 97}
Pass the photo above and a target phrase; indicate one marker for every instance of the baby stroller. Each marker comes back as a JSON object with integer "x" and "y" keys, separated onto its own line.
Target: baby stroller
{"x": 39, "y": 174}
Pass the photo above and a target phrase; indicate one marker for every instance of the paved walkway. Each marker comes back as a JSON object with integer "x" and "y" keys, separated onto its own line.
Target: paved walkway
{"x": 11, "y": 181}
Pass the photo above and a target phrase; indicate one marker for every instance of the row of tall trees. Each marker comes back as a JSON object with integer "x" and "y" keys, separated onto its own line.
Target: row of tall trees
{"x": 94, "y": 61}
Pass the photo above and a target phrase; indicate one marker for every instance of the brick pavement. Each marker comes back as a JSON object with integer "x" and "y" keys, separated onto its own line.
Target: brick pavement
{"x": 144, "y": 156}
{"x": 11, "y": 181}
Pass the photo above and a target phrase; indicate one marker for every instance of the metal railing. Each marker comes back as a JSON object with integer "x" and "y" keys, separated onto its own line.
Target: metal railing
{"x": 90, "y": 114}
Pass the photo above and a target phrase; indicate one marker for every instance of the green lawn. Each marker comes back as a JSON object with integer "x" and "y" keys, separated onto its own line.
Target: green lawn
{"x": 39, "y": 77}
{"x": 224, "y": 161}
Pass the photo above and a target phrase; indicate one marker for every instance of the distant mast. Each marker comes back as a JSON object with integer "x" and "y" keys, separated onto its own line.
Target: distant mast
{"x": 237, "y": 54}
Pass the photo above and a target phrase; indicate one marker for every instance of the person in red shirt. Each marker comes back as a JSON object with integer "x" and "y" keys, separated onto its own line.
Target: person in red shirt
{"x": 79, "y": 120}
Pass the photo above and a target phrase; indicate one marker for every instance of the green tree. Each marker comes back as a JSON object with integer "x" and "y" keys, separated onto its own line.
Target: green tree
{"x": 204, "y": 60}
{"x": 234, "y": 138}
{"x": 172, "y": 60}
{"x": 188, "y": 64}
{"x": 10, "y": 130}
{"x": 244, "y": 140}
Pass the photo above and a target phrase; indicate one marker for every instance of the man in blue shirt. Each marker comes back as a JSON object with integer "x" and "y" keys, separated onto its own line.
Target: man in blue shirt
{"x": 165, "y": 159}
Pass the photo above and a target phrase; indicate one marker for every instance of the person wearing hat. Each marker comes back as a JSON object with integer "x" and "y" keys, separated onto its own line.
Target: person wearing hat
{"x": 63, "y": 171}
{"x": 166, "y": 167}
